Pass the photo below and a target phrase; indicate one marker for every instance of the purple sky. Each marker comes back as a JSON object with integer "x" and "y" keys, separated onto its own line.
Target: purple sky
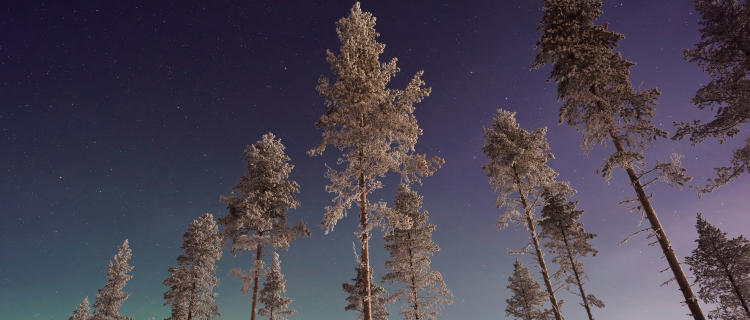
{"x": 128, "y": 121}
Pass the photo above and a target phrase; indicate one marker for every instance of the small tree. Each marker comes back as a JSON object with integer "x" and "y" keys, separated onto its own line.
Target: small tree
{"x": 110, "y": 298}
{"x": 82, "y": 312}
{"x": 724, "y": 53}
{"x": 274, "y": 305}
{"x": 192, "y": 281}
{"x": 568, "y": 241}
{"x": 601, "y": 102}
{"x": 257, "y": 215}
{"x": 410, "y": 250}
{"x": 372, "y": 124}
{"x": 358, "y": 296}
{"x": 722, "y": 271}
{"x": 518, "y": 166}
{"x": 528, "y": 298}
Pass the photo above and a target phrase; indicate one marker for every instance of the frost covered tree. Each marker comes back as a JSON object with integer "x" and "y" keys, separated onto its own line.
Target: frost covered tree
{"x": 191, "y": 283}
{"x": 274, "y": 305}
{"x": 258, "y": 212}
{"x": 600, "y": 101}
{"x": 528, "y": 298}
{"x": 82, "y": 312}
{"x": 410, "y": 250}
{"x": 110, "y": 298}
{"x": 568, "y": 241}
{"x": 725, "y": 54}
{"x": 372, "y": 124}
{"x": 518, "y": 171}
{"x": 722, "y": 271}
{"x": 358, "y": 296}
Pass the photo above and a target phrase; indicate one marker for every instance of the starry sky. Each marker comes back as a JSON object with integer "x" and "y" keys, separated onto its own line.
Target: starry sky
{"x": 127, "y": 120}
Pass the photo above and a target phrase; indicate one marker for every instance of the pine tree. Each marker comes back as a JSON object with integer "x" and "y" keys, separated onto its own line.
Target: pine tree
{"x": 724, "y": 53}
{"x": 528, "y": 298}
{"x": 410, "y": 250}
{"x": 257, "y": 215}
{"x": 518, "y": 165}
{"x": 274, "y": 305}
{"x": 110, "y": 298}
{"x": 372, "y": 124}
{"x": 722, "y": 271}
{"x": 192, "y": 281}
{"x": 568, "y": 241}
{"x": 82, "y": 312}
{"x": 601, "y": 102}
{"x": 358, "y": 296}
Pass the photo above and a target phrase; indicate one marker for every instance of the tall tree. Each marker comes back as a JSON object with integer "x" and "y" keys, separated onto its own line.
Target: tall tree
{"x": 518, "y": 166}
{"x": 601, "y": 102}
{"x": 110, "y": 298}
{"x": 568, "y": 241}
{"x": 191, "y": 283}
{"x": 373, "y": 125}
{"x": 358, "y": 297}
{"x": 82, "y": 312}
{"x": 528, "y": 298}
{"x": 722, "y": 271}
{"x": 258, "y": 213}
{"x": 724, "y": 52}
{"x": 410, "y": 250}
{"x": 274, "y": 305}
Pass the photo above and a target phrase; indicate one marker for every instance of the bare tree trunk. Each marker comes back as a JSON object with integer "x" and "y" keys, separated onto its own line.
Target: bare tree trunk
{"x": 367, "y": 305}
{"x": 666, "y": 247}
{"x": 366, "y": 309}
{"x": 413, "y": 282}
{"x": 738, "y": 293}
{"x": 539, "y": 254}
{"x": 190, "y": 305}
{"x": 255, "y": 281}
{"x": 732, "y": 282}
{"x": 578, "y": 278}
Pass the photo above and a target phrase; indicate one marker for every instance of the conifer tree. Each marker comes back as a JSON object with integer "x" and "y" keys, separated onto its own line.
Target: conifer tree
{"x": 568, "y": 241}
{"x": 528, "y": 298}
{"x": 82, "y": 312}
{"x": 600, "y": 101}
{"x": 257, "y": 214}
{"x": 110, "y": 298}
{"x": 274, "y": 305}
{"x": 518, "y": 166}
{"x": 358, "y": 296}
{"x": 372, "y": 124}
{"x": 191, "y": 283}
{"x": 725, "y": 54}
{"x": 722, "y": 271}
{"x": 410, "y": 250}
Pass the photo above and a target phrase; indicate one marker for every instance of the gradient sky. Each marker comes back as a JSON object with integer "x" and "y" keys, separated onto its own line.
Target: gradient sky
{"x": 127, "y": 120}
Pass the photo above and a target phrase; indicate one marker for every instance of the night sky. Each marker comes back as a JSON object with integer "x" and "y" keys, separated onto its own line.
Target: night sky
{"x": 127, "y": 120}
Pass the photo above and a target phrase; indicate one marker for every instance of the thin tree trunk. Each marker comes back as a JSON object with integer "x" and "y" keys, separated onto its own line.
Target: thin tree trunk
{"x": 366, "y": 309}
{"x": 413, "y": 282}
{"x": 738, "y": 293}
{"x": 578, "y": 278}
{"x": 255, "y": 281}
{"x": 190, "y": 305}
{"x": 731, "y": 280}
{"x": 529, "y": 306}
{"x": 367, "y": 305}
{"x": 666, "y": 247}
{"x": 539, "y": 255}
